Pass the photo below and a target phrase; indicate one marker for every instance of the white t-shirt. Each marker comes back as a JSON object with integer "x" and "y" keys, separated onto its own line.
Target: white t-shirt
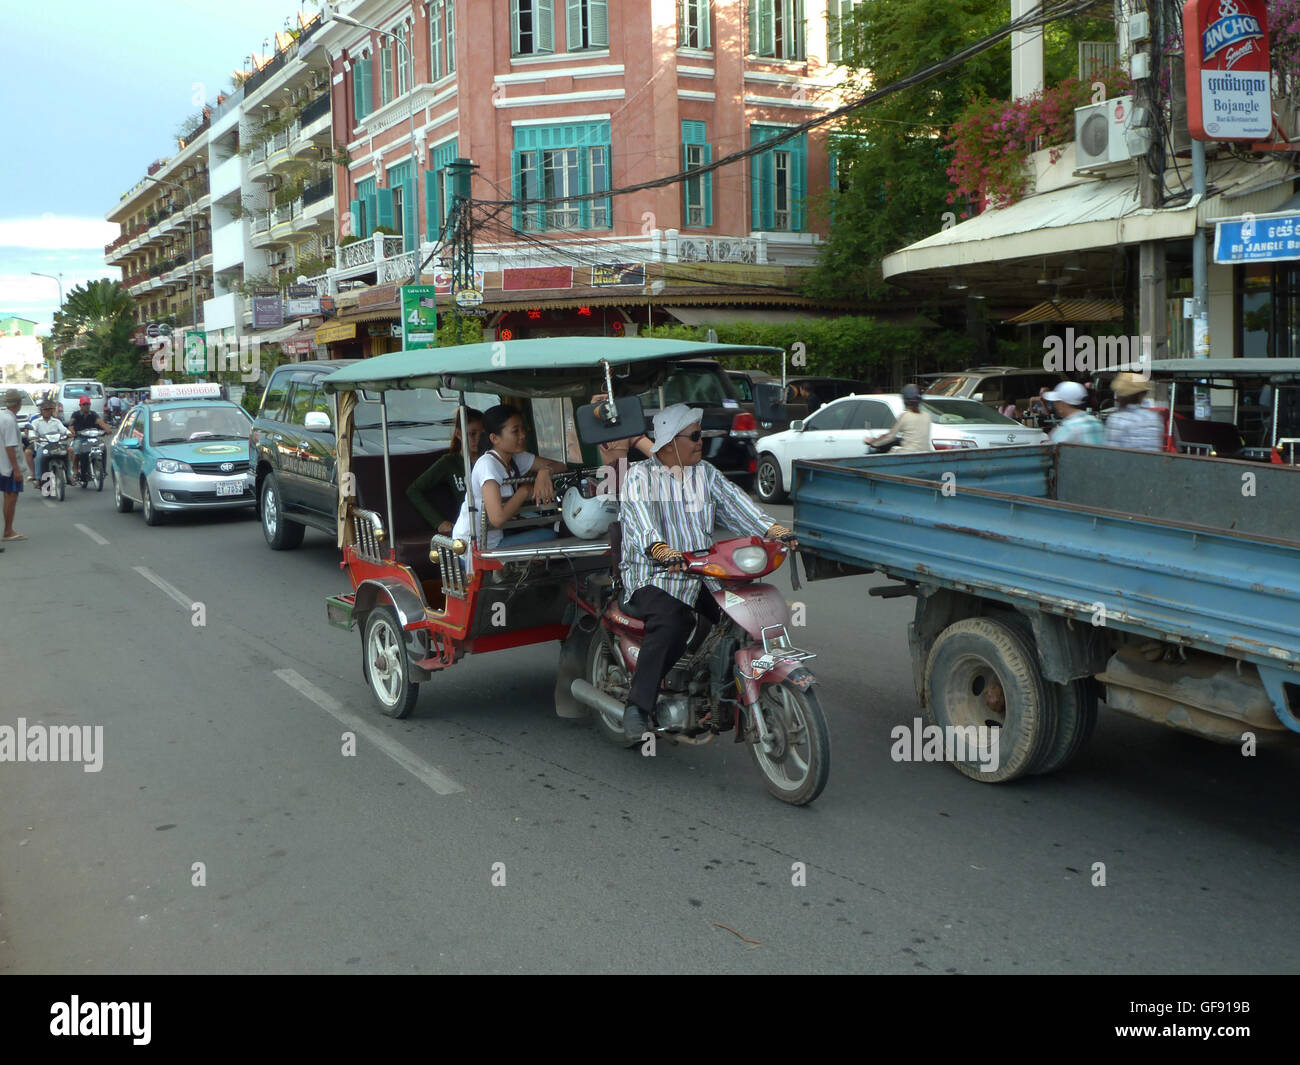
{"x": 8, "y": 439}
{"x": 488, "y": 468}
{"x": 50, "y": 427}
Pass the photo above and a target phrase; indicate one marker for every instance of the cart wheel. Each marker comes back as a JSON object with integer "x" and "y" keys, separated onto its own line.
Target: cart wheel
{"x": 384, "y": 662}
{"x": 981, "y": 672}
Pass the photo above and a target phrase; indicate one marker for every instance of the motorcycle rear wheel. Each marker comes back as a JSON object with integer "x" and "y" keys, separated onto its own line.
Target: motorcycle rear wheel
{"x": 602, "y": 670}
{"x": 799, "y": 765}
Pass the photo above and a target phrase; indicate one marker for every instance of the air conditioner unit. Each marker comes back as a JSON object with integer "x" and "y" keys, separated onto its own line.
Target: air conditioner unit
{"x": 1099, "y": 133}
{"x": 275, "y": 258}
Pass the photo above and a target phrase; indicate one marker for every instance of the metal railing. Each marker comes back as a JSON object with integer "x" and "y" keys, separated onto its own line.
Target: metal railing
{"x": 317, "y": 192}
{"x": 453, "y": 577}
{"x": 314, "y": 110}
{"x": 367, "y": 535}
{"x": 717, "y": 250}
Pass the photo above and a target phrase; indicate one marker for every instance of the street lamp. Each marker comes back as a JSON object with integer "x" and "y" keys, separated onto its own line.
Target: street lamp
{"x": 194, "y": 278}
{"x": 348, "y": 20}
{"x": 54, "y": 375}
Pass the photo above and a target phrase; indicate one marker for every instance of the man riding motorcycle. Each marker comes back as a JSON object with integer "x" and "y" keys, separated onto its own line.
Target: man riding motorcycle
{"x": 669, "y": 505}
{"x": 83, "y": 419}
{"x": 46, "y": 427}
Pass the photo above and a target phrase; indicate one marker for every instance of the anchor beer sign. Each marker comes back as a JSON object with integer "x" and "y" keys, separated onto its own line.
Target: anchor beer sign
{"x": 1229, "y": 93}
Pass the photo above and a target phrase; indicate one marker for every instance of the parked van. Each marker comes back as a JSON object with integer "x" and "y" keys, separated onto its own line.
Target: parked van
{"x": 67, "y": 394}
{"x": 991, "y": 385}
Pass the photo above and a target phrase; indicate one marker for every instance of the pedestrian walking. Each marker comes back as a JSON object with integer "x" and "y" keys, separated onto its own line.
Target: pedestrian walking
{"x": 11, "y": 456}
{"x": 1077, "y": 426}
{"x": 1132, "y": 425}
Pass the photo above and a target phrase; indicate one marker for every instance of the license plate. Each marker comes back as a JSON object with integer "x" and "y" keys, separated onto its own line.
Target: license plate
{"x": 230, "y": 488}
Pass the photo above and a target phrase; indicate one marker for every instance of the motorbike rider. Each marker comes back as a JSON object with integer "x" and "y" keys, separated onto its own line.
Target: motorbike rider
{"x": 83, "y": 419}
{"x": 912, "y": 427}
{"x": 662, "y": 528}
{"x": 46, "y": 427}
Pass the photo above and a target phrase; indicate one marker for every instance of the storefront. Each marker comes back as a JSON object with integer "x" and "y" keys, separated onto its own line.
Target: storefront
{"x": 1264, "y": 252}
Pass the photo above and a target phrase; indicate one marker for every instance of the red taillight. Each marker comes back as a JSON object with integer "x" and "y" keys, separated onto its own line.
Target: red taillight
{"x": 953, "y": 445}
{"x": 753, "y": 465}
{"x": 744, "y": 425}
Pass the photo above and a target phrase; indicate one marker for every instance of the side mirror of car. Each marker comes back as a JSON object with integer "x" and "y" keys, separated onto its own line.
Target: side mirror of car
{"x": 978, "y": 397}
{"x": 131, "y": 442}
{"x": 797, "y": 425}
{"x": 317, "y": 422}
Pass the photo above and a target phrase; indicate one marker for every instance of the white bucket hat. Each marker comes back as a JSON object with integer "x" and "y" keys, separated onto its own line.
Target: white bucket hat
{"x": 672, "y": 420}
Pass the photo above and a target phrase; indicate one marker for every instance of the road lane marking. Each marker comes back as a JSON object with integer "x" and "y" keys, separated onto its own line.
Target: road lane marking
{"x": 170, "y": 589}
{"x": 412, "y": 763}
{"x": 92, "y": 534}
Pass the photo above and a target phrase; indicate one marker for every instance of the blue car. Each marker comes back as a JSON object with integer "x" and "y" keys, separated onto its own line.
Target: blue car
{"x": 184, "y": 454}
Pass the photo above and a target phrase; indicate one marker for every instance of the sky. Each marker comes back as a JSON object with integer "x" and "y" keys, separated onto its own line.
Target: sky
{"x": 92, "y": 93}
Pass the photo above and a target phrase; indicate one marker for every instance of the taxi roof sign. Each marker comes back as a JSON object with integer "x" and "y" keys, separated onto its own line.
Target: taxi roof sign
{"x": 188, "y": 391}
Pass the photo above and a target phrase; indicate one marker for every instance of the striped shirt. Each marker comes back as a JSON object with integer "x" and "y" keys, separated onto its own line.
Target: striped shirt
{"x": 657, "y": 507}
{"x": 1136, "y": 427}
{"x": 1079, "y": 428}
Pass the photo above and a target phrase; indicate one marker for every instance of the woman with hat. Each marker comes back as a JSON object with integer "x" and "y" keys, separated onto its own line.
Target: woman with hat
{"x": 1134, "y": 425}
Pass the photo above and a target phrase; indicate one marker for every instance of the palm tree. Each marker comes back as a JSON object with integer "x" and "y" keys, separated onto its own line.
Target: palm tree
{"x": 94, "y": 327}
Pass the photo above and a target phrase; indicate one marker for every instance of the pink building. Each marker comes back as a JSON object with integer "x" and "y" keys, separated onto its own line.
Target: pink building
{"x": 556, "y": 97}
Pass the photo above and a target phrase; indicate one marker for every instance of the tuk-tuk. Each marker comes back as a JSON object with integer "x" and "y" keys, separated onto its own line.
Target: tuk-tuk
{"x": 424, "y": 600}
{"x": 1231, "y": 408}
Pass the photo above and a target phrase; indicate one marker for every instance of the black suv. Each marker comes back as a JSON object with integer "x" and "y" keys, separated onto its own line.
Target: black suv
{"x": 293, "y": 449}
{"x": 728, "y": 425}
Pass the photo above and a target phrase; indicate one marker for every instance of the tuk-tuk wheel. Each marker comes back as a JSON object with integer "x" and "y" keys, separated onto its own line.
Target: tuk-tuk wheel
{"x": 383, "y": 656}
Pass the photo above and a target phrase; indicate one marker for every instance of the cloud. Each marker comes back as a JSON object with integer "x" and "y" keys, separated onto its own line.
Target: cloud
{"x": 49, "y": 231}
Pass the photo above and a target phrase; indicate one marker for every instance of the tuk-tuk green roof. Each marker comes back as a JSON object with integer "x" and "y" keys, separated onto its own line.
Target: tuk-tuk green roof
{"x": 547, "y": 365}
{"x": 1220, "y": 367}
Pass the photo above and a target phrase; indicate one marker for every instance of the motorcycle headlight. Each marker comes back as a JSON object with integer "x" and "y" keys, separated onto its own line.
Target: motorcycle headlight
{"x": 750, "y": 559}
{"x": 171, "y": 466}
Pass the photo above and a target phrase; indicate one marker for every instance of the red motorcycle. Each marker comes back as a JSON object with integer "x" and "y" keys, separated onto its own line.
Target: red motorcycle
{"x": 742, "y": 675}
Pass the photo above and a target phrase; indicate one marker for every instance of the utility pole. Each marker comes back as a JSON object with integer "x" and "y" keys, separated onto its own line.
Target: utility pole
{"x": 54, "y": 368}
{"x": 462, "y": 246}
{"x": 1152, "y": 326}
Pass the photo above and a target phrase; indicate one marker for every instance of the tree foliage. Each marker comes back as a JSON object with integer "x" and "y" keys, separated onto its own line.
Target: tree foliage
{"x": 880, "y": 353}
{"x": 892, "y": 156}
{"x": 94, "y": 328}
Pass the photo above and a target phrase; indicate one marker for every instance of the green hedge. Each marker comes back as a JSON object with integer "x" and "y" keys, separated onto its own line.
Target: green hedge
{"x": 845, "y": 346}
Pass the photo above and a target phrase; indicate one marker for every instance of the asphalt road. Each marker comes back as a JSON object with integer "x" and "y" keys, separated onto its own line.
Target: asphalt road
{"x": 223, "y": 745}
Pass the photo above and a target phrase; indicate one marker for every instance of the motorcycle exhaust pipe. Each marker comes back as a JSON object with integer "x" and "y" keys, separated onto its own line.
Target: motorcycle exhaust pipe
{"x": 594, "y": 699}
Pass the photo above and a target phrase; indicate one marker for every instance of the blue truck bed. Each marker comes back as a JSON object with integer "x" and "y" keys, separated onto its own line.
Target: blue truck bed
{"x": 1199, "y": 553}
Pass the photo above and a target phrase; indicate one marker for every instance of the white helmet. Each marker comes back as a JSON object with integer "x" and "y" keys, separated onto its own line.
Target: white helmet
{"x": 588, "y": 519}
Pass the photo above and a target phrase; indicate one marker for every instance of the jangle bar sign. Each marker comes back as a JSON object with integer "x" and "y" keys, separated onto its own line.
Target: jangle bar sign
{"x": 1229, "y": 94}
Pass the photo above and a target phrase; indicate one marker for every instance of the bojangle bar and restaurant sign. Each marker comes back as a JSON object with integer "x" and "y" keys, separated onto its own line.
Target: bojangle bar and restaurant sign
{"x": 1229, "y": 83}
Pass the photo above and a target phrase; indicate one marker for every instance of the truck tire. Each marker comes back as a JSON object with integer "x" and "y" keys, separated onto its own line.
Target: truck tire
{"x": 980, "y": 671}
{"x": 1075, "y": 706}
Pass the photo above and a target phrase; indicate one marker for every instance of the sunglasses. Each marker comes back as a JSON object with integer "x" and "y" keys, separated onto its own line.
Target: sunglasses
{"x": 694, "y": 437}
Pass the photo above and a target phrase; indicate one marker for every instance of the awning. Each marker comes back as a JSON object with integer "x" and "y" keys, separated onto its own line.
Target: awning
{"x": 1093, "y": 216}
{"x": 275, "y": 336}
{"x": 1071, "y": 311}
{"x": 720, "y": 315}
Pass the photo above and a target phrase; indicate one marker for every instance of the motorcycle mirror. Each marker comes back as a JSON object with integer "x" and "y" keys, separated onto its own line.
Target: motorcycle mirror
{"x": 599, "y": 424}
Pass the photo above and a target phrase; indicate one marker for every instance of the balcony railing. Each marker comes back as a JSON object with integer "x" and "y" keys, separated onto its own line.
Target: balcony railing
{"x": 315, "y": 193}
{"x": 279, "y": 142}
{"x": 314, "y": 110}
{"x": 261, "y": 222}
{"x": 281, "y": 214}
{"x": 365, "y": 252}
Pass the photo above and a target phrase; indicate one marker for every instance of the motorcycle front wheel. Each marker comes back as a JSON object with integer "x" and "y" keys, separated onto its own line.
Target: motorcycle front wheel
{"x": 97, "y": 474}
{"x": 798, "y": 765}
{"x": 60, "y": 481}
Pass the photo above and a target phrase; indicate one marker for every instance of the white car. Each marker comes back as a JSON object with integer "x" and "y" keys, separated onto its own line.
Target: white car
{"x": 839, "y": 430}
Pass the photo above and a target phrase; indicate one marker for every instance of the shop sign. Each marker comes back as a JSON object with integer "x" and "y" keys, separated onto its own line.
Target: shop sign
{"x": 608, "y": 275}
{"x": 1229, "y": 83}
{"x": 1258, "y": 240}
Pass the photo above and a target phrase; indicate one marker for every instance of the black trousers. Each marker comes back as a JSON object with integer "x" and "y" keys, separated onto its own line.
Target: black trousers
{"x": 668, "y": 624}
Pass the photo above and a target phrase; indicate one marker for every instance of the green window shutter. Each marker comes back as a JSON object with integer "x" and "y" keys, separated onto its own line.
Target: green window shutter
{"x": 368, "y": 85}
{"x": 435, "y": 41}
{"x": 411, "y": 223}
{"x": 514, "y": 27}
{"x": 432, "y": 209}
{"x": 385, "y": 75}
{"x": 798, "y": 181}
{"x": 384, "y": 208}
{"x": 358, "y": 225}
{"x": 751, "y": 26}
{"x": 762, "y": 206}
{"x": 598, "y": 23}
{"x": 708, "y": 187}
{"x": 573, "y": 29}
{"x": 706, "y": 39}
{"x": 451, "y": 37}
{"x": 366, "y": 198}
{"x": 544, "y": 25}
{"x": 358, "y": 93}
